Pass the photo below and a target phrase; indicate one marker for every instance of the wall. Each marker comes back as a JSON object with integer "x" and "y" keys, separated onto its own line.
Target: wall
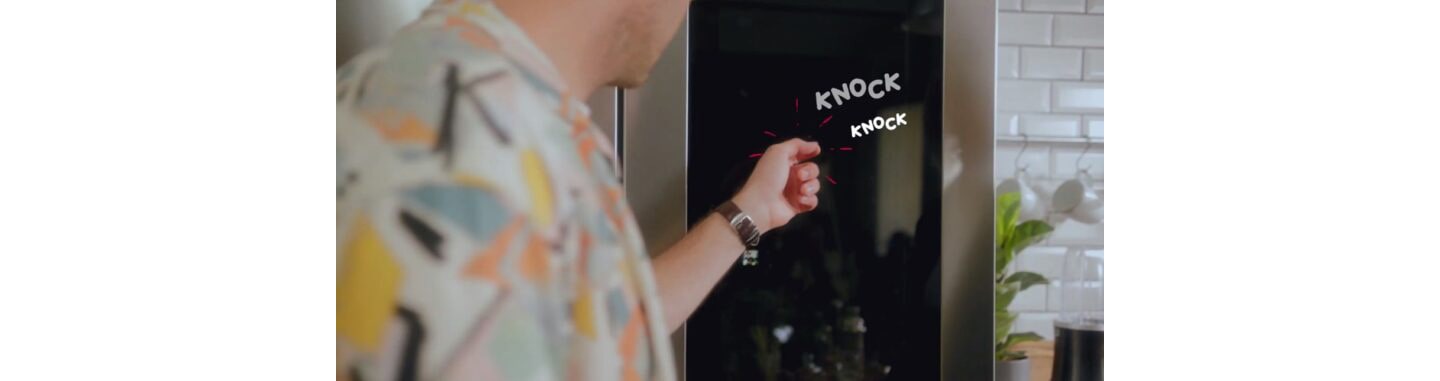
{"x": 1050, "y": 70}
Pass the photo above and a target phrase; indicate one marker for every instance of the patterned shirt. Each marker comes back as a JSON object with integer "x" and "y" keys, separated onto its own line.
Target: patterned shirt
{"x": 482, "y": 232}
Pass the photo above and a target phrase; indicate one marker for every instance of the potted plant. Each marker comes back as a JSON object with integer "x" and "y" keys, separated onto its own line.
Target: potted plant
{"x": 1011, "y": 237}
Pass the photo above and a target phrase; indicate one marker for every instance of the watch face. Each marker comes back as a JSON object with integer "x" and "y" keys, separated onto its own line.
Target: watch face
{"x": 851, "y": 289}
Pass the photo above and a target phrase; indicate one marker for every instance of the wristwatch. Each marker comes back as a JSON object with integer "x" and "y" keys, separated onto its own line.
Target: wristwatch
{"x": 749, "y": 234}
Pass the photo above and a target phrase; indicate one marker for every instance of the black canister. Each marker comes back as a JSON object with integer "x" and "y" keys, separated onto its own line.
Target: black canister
{"x": 1079, "y": 351}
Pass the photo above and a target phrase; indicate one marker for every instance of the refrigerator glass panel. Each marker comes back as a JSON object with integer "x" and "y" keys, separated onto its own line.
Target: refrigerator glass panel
{"x": 849, "y": 291}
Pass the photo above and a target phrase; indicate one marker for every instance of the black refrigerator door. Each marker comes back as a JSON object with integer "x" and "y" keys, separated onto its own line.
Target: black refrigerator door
{"x": 849, "y": 291}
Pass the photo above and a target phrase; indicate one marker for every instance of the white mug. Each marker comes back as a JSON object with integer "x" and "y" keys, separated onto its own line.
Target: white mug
{"x": 1077, "y": 199}
{"x": 1031, "y": 206}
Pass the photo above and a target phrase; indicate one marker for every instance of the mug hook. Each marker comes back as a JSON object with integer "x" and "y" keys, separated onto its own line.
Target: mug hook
{"x": 1088, "y": 143}
{"x": 1024, "y": 143}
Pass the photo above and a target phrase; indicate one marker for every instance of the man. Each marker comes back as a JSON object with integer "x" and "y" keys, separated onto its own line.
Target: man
{"x": 481, "y": 229}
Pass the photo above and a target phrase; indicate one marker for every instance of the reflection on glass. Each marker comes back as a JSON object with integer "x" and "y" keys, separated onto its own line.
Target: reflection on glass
{"x": 851, "y": 290}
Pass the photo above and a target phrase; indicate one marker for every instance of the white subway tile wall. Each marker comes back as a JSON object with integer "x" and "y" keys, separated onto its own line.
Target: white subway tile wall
{"x": 1079, "y": 30}
{"x": 1072, "y": 233}
{"x": 1033, "y": 299}
{"x": 1095, "y": 126}
{"x": 1023, "y": 96}
{"x": 1025, "y": 28}
{"x": 1050, "y": 124}
{"x": 1007, "y": 62}
{"x": 1051, "y": 63}
{"x": 1094, "y": 64}
{"x": 1067, "y": 159}
{"x": 1035, "y": 160}
{"x": 1044, "y": 260}
{"x": 1087, "y": 97}
{"x": 1038, "y": 322}
{"x": 1054, "y": 6}
{"x": 1050, "y": 70}
{"x": 1007, "y": 124}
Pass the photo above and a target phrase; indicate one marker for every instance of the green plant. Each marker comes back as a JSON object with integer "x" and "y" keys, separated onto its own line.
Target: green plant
{"x": 1012, "y": 237}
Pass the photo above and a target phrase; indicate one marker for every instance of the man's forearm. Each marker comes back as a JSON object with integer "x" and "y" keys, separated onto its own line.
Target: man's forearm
{"x": 781, "y": 186}
{"x": 687, "y": 271}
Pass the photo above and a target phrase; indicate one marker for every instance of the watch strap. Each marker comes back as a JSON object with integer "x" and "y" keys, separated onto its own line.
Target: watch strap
{"x": 741, "y": 222}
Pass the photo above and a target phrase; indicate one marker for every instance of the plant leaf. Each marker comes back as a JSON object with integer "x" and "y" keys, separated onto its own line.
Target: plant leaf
{"x": 1017, "y": 338}
{"x": 1002, "y": 259}
{"x": 1003, "y": 352}
{"x": 1007, "y": 214}
{"x": 1009, "y": 355}
{"x": 1004, "y": 294}
{"x": 1027, "y": 233}
{"x": 1026, "y": 279}
{"x": 1012, "y": 237}
{"x": 1003, "y": 321}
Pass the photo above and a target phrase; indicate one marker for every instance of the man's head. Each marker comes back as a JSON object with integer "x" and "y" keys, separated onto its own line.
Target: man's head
{"x": 645, "y": 28}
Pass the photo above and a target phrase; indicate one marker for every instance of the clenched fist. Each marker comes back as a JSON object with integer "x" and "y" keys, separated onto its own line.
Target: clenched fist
{"x": 782, "y": 185}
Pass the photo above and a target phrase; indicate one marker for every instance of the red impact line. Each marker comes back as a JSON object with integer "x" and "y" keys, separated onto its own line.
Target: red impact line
{"x": 832, "y": 181}
{"x": 797, "y": 104}
{"x": 772, "y": 134}
{"x": 827, "y": 120}
{"x": 755, "y": 155}
{"x": 845, "y": 148}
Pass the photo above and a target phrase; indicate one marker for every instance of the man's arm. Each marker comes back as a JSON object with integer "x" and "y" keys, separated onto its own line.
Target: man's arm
{"x": 781, "y": 186}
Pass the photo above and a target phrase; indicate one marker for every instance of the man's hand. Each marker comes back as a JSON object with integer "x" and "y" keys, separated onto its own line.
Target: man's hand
{"x": 782, "y": 184}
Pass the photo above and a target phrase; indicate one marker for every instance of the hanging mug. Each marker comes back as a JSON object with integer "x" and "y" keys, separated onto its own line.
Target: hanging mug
{"x": 1031, "y": 206}
{"x": 1078, "y": 199}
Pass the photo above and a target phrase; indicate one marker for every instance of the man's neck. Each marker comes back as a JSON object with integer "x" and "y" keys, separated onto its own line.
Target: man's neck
{"x": 570, "y": 36}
